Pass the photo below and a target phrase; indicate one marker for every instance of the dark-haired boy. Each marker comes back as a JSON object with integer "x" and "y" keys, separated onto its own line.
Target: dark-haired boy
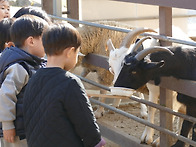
{"x": 18, "y": 64}
{"x": 57, "y": 110}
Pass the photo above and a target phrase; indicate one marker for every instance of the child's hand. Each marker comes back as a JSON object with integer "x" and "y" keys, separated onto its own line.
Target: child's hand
{"x": 9, "y": 135}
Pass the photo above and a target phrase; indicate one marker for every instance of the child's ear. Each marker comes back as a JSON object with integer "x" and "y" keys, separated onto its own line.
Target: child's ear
{"x": 29, "y": 41}
{"x": 9, "y": 44}
{"x": 70, "y": 51}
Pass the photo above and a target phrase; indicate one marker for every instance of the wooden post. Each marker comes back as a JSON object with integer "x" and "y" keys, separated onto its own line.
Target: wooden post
{"x": 165, "y": 23}
{"x": 57, "y": 8}
{"x": 73, "y": 10}
{"x": 53, "y": 7}
{"x": 47, "y": 5}
{"x": 165, "y": 118}
{"x": 165, "y": 26}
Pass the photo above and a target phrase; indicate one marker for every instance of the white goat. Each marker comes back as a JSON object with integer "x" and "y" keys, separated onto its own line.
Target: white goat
{"x": 94, "y": 41}
{"x": 116, "y": 58}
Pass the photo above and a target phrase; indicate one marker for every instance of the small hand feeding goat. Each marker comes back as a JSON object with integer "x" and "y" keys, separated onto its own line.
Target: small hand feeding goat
{"x": 116, "y": 58}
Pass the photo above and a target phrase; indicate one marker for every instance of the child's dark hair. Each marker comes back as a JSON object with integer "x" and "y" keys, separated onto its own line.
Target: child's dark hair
{"x": 32, "y": 11}
{"x": 60, "y": 36}
{"x": 26, "y": 26}
{"x": 5, "y": 26}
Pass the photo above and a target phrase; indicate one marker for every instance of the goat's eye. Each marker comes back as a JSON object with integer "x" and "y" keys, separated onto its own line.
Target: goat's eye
{"x": 127, "y": 63}
{"x": 133, "y": 72}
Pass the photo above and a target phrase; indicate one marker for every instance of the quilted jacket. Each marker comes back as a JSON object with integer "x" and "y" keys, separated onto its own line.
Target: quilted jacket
{"x": 57, "y": 111}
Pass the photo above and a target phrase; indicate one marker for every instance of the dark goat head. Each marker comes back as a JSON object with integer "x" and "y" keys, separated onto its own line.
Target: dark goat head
{"x": 137, "y": 70}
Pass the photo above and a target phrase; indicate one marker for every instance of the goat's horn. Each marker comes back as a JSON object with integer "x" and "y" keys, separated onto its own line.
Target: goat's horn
{"x": 131, "y": 36}
{"x": 147, "y": 51}
{"x": 137, "y": 45}
{"x": 110, "y": 45}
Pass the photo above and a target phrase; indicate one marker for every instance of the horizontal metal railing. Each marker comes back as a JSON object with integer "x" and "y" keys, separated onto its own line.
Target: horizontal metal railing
{"x": 137, "y": 99}
{"x": 142, "y": 121}
{"x": 156, "y": 36}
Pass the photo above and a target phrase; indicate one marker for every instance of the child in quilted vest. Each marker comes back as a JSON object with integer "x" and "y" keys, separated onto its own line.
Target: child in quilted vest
{"x": 61, "y": 110}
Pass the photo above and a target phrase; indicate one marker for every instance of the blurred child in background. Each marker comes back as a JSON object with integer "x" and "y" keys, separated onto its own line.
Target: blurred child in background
{"x": 4, "y": 9}
{"x": 32, "y": 11}
{"x": 5, "y": 39}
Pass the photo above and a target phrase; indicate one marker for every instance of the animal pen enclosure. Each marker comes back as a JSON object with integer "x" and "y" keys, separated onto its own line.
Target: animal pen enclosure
{"x": 167, "y": 84}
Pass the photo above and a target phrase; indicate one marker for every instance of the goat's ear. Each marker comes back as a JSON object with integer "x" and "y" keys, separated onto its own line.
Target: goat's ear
{"x": 110, "y": 45}
{"x": 154, "y": 65}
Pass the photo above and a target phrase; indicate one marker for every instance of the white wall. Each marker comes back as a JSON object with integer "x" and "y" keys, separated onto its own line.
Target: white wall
{"x": 106, "y": 9}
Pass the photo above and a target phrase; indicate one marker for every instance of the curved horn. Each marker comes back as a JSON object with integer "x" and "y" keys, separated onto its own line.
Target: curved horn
{"x": 110, "y": 45}
{"x": 132, "y": 35}
{"x": 147, "y": 51}
{"x": 137, "y": 45}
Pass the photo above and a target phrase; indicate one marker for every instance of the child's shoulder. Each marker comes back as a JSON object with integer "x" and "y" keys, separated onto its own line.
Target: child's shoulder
{"x": 75, "y": 79}
{"x": 11, "y": 56}
{"x": 15, "y": 73}
{"x": 72, "y": 76}
{"x": 18, "y": 68}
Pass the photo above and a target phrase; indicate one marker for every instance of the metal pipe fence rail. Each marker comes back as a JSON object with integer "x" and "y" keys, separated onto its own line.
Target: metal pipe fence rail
{"x": 137, "y": 99}
{"x": 160, "y": 37}
{"x": 142, "y": 121}
{"x": 93, "y": 83}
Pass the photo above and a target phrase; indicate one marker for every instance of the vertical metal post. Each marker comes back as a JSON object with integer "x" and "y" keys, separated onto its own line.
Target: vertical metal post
{"x": 165, "y": 26}
{"x": 57, "y": 8}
